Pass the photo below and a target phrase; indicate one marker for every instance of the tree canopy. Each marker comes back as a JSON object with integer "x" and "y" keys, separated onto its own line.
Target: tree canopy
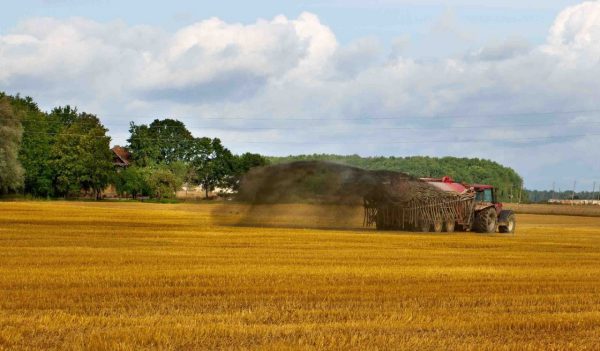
{"x": 81, "y": 157}
{"x": 163, "y": 141}
{"x": 11, "y": 171}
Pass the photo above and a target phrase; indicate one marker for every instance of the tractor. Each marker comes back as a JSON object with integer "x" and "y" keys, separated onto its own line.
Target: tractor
{"x": 487, "y": 215}
{"x": 437, "y": 204}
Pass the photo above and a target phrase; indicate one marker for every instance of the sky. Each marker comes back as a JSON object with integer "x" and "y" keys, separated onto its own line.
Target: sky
{"x": 512, "y": 81}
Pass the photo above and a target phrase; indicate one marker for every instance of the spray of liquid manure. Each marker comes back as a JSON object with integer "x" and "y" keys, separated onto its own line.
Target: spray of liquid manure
{"x": 313, "y": 194}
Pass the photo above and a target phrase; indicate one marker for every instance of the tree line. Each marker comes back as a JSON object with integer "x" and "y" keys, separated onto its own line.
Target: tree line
{"x": 65, "y": 152}
{"x": 545, "y": 195}
{"x": 468, "y": 170}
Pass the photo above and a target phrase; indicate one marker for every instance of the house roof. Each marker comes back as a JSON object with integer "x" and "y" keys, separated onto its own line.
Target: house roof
{"x": 122, "y": 157}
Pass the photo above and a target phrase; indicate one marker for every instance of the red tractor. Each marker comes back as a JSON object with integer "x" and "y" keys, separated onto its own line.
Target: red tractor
{"x": 485, "y": 215}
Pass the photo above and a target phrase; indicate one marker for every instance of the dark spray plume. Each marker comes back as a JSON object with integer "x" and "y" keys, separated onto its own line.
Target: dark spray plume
{"x": 315, "y": 194}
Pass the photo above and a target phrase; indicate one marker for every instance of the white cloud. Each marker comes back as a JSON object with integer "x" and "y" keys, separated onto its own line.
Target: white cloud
{"x": 289, "y": 68}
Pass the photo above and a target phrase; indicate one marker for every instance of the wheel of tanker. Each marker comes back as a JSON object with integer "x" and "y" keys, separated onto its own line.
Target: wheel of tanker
{"x": 486, "y": 221}
{"x": 438, "y": 226}
{"x": 424, "y": 226}
{"x": 509, "y": 222}
{"x": 450, "y": 226}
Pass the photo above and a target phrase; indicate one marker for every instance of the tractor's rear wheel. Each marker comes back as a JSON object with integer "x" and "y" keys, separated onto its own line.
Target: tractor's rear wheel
{"x": 486, "y": 221}
{"x": 450, "y": 226}
{"x": 438, "y": 226}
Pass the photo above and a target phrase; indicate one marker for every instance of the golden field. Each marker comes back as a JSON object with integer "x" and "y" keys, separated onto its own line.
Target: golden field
{"x": 556, "y": 209}
{"x": 129, "y": 276}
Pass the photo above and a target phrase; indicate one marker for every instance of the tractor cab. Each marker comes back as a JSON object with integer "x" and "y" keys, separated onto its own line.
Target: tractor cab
{"x": 485, "y": 196}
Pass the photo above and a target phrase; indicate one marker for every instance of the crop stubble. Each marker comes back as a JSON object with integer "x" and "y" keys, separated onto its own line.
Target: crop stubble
{"x": 130, "y": 275}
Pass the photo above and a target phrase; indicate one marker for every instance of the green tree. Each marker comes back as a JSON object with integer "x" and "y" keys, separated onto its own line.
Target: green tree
{"x": 143, "y": 148}
{"x": 162, "y": 182}
{"x": 11, "y": 172}
{"x": 63, "y": 116}
{"x": 81, "y": 157}
{"x": 133, "y": 181}
{"x": 39, "y": 134}
{"x": 163, "y": 141}
{"x": 212, "y": 162}
{"x": 241, "y": 165}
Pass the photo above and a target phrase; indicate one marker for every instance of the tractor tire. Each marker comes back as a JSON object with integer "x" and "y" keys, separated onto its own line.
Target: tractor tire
{"x": 438, "y": 226}
{"x": 509, "y": 218}
{"x": 424, "y": 227}
{"x": 450, "y": 226}
{"x": 486, "y": 221}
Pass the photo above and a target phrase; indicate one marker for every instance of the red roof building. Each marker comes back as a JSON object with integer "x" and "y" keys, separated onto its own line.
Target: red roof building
{"x": 121, "y": 157}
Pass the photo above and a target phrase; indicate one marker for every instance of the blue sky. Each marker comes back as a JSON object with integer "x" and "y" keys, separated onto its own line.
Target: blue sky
{"x": 510, "y": 81}
{"x": 492, "y": 20}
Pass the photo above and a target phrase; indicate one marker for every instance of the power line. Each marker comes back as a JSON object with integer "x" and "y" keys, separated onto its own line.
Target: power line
{"x": 320, "y": 126}
{"x": 449, "y": 141}
{"x": 368, "y": 118}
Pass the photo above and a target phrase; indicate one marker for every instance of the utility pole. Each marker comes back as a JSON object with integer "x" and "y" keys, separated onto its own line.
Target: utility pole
{"x": 520, "y": 191}
{"x": 593, "y": 190}
{"x": 574, "y": 185}
{"x": 553, "y": 187}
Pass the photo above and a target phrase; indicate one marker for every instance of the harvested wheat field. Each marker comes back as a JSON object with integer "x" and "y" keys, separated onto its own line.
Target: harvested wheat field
{"x": 126, "y": 276}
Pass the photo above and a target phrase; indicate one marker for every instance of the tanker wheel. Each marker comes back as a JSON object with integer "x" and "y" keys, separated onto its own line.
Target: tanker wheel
{"x": 424, "y": 227}
{"x": 450, "y": 226}
{"x": 438, "y": 226}
{"x": 486, "y": 221}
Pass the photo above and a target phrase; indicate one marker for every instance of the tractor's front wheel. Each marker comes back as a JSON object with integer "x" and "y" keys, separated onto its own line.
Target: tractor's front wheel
{"x": 509, "y": 222}
{"x": 486, "y": 221}
{"x": 424, "y": 226}
{"x": 438, "y": 226}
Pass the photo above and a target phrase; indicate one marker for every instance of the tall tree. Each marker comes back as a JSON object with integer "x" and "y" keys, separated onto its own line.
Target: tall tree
{"x": 143, "y": 148}
{"x": 11, "y": 172}
{"x": 81, "y": 157}
{"x": 162, "y": 182}
{"x": 212, "y": 162}
{"x": 39, "y": 134}
{"x": 163, "y": 141}
{"x": 64, "y": 116}
{"x": 242, "y": 164}
{"x": 133, "y": 181}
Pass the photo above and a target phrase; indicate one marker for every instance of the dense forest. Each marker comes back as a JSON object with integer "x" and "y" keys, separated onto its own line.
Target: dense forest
{"x": 468, "y": 170}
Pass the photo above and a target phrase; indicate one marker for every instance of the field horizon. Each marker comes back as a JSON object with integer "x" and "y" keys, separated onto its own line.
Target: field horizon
{"x": 124, "y": 276}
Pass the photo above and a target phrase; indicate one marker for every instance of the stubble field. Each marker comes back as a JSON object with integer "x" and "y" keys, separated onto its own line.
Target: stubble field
{"x": 127, "y": 276}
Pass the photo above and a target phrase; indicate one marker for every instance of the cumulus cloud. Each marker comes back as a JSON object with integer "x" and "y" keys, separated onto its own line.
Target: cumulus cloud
{"x": 287, "y": 70}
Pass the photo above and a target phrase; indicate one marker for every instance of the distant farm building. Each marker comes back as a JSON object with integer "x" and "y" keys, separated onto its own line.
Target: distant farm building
{"x": 574, "y": 202}
{"x": 121, "y": 157}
